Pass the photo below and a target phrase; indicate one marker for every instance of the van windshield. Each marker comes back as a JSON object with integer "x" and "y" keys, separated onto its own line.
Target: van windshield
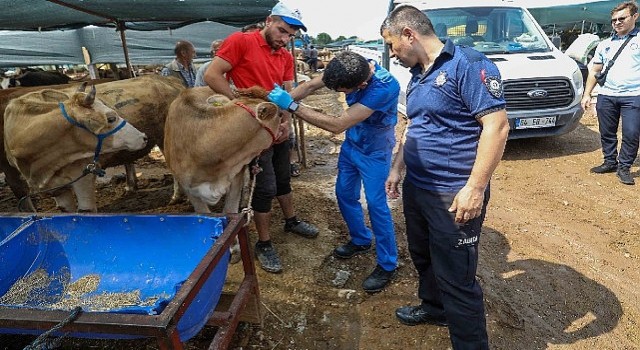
{"x": 489, "y": 29}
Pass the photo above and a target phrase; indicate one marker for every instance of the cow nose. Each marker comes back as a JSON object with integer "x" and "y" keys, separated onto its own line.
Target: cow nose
{"x": 145, "y": 138}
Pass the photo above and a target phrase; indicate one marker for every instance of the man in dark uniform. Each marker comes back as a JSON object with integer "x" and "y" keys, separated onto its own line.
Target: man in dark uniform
{"x": 454, "y": 141}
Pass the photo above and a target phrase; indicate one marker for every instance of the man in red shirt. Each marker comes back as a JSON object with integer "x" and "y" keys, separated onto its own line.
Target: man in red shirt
{"x": 261, "y": 58}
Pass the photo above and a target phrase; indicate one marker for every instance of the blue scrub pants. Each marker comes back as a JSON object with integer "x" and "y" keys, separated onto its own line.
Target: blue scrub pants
{"x": 610, "y": 110}
{"x": 356, "y": 169}
{"x": 445, "y": 255}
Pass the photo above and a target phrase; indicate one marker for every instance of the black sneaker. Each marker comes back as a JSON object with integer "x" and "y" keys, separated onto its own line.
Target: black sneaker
{"x": 268, "y": 258}
{"x": 625, "y": 176}
{"x": 302, "y": 228}
{"x": 605, "y": 168}
{"x": 415, "y": 315}
{"x": 378, "y": 279}
{"x": 348, "y": 250}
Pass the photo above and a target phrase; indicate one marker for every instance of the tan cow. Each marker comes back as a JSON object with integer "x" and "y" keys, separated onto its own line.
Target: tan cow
{"x": 143, "y": 102}
{"x": 51, "y": 136}
{"x": 210, "y": 140}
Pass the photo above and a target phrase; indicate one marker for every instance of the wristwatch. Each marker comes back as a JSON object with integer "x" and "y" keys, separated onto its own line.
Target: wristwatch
{"x": 293, "y": 107}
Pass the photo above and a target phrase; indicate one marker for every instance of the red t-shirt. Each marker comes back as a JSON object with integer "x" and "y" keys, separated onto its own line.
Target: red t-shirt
{"x": 254, "y": 62}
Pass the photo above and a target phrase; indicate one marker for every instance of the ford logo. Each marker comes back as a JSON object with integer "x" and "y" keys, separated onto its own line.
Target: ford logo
{"x": 538, "y": 93}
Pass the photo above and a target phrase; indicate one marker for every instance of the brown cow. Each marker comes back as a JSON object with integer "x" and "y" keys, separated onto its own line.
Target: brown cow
{"x": 51, "y": 136}
{"x": 143, "y": 102}
{"x": 210, "y": 140}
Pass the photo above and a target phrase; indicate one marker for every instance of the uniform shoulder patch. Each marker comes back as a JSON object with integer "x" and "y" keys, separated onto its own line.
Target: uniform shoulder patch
{"x": 494, "y": 85}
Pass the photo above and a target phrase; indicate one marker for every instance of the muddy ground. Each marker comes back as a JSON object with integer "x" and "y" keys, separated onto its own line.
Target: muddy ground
{"x": 559, "y": 256}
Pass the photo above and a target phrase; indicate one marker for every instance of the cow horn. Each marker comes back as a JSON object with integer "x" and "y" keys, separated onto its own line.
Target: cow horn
{"x": 82, "y": 87}
{"x": 91, "y": 96}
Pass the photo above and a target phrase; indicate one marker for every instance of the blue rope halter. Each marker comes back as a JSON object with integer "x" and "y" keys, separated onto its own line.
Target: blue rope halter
{"x": 100, "y": 137}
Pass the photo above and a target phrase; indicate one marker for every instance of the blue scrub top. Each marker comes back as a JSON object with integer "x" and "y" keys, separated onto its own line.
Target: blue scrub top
{"x": 443, "y": 104}
{"x": 376, "y": 133}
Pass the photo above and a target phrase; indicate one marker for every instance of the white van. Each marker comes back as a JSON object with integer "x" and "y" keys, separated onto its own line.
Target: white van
{"x": 542, "y": 85}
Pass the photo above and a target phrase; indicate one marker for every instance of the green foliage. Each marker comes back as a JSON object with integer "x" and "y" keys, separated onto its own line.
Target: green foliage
{"x": 323, "y": 39}
{"x": 341, "y": 38}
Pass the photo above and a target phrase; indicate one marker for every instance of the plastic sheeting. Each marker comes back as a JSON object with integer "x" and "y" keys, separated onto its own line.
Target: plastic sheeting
{"x": 20, "y": 48}
{"x": 157, "y": 14}
{"x": 53, "y": 32}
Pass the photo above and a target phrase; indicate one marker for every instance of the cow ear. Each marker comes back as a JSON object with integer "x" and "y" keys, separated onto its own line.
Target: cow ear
{"x": 53, "y": 96}
{"x": 266, "y": 110}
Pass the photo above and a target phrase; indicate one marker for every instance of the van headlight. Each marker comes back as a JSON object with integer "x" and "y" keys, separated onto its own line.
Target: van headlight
{"x": 577, "y": 80}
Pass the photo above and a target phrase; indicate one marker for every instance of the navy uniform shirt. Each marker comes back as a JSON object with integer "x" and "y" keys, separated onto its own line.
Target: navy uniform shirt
{"x": 376, "y": 133}
{"x": 444, "y": 105}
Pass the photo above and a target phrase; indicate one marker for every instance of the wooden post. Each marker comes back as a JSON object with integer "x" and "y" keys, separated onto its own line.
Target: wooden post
{"x": 301, "y": 148}
{"x": 93, "y": 73}
{"x": 121, "y": 29}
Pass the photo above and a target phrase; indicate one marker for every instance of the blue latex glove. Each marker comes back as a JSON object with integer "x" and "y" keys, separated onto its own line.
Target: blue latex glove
{"x": 280, "y": 97}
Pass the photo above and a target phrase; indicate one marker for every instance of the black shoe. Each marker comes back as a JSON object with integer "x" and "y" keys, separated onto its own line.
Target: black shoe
{"x": 348, "y": 250}
{"x": 605, "y": 168}
{"x": 415, "y": 315}
{"x": 302, "y": 228}
{"x": 268, "y": 258}
{"x": 625, "y": 176}
{"x": 378, "y": 279}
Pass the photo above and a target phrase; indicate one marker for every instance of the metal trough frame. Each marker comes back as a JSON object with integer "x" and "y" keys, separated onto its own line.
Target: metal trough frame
{"x": 164, "y": 326}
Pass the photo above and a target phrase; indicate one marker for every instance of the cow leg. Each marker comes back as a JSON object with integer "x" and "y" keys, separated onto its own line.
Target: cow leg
{"x": 65, "y": 201}
{"x": 18, "y": 186}
{"x": 131, "y": 184}
{"x": 232, "y": 205}
{"x": 199, "y": 205}
{"x": 177, "y": 193}
{"x": 85, "y": 190}
{"x": 234, "y": 194}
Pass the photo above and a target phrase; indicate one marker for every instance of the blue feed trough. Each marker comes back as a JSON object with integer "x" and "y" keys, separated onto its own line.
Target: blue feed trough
{"x": 115, "y": 264}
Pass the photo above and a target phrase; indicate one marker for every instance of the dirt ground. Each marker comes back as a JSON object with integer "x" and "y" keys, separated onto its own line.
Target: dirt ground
{"x": 558, "y": 264}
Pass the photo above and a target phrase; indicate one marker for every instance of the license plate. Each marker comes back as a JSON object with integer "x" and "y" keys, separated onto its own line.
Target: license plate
{"x": 529, "y": 123}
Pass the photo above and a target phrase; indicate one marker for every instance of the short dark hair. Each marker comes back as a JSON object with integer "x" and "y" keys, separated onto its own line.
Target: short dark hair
{"x": 182, "y": 45}
{"x": 631, "y": 5}
{"x": 407, "y": 16}
{"x": 346, "y": 70}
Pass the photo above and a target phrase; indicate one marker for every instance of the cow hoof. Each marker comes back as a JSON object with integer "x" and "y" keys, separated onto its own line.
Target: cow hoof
{"x": 130, "y": 191}
{"x": 176, "y": 200}
{"x": 235, "y": 257}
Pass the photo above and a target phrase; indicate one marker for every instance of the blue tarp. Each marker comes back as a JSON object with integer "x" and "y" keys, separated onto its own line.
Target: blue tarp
{"x": 24, "y": 48}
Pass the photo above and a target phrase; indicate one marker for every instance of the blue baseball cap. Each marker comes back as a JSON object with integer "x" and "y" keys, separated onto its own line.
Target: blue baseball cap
{"x": 291, "y": 17}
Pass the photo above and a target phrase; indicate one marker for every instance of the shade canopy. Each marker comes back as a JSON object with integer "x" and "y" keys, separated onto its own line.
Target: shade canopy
{"x": 53, "y": 32}
{"x": 135, "y": 14}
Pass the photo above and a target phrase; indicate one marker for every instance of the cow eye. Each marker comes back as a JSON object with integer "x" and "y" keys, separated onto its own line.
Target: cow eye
{"x": 111, "y": 119}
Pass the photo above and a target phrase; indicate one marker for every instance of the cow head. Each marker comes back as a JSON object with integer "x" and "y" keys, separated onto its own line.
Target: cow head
{"x": 267, "y": 113}
{"x": 100, "y": 119}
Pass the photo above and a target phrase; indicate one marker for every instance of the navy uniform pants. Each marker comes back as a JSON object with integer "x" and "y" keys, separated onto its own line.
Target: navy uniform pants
{"x": 445, "y": 254}
{"x": 611, "y": 109}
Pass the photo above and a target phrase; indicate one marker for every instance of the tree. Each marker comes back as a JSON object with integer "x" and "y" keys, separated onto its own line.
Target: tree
{"x": 323, "y": 39}
{"x": 341, "y": 38}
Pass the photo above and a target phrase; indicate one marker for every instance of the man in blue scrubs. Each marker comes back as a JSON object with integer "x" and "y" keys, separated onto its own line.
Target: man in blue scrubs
{"x": 365, "y": 156}
{"x": 454, "y": 141}
{"x": 619, "y": 97}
